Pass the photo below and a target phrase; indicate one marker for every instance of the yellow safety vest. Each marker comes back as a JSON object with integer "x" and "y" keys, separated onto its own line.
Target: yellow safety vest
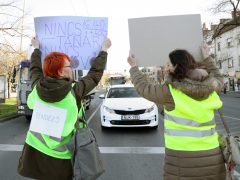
{"x": 191, "y": 125}
{"x": 52, "y": 146}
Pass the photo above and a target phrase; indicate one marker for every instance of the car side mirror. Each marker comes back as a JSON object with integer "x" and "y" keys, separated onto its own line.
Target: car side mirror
{"x": 102, "y": 96}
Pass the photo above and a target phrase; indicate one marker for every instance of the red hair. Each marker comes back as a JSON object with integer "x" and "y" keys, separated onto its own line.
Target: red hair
{"x": 53, "y": 63}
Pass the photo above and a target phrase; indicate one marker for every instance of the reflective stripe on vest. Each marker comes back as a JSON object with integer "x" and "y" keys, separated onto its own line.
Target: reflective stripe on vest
{"x": 190, "y": 126}
{"x": 55, "y": 147}
{"x": 188, "y": 122}
{"x": 203, "y": 133}
{"x": 61, "y": 148}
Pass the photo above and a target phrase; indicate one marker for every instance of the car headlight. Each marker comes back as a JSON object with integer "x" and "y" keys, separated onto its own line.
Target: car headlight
{"x": 149, "y": 109}
{"x": 109, "y": 110}
{"x": 21, "y": 107}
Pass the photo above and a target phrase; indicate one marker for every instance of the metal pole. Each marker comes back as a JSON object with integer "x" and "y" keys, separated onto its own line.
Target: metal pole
{"x": 21, "y": 37}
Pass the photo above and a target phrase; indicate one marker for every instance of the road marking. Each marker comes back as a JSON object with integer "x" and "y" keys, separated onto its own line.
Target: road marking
{"x": 132, "y": 150}
{"x": 90, "y": 118}
{"x": 229, "y": 117}
{"x": 104, "y": 150}
{"x": 10, "y": 147}
{"x": 108, "y": 150}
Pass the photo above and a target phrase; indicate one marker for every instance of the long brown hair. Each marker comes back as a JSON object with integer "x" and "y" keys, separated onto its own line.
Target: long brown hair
{"x": 184, "y": 61}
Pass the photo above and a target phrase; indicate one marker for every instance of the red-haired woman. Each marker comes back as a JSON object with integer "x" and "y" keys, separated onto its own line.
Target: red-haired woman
{"x": 46, "y": 157}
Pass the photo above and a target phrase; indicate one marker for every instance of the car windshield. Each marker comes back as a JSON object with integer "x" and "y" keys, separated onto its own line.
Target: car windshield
{"x": 126, "y": 92}
{"x": 24, "y": 74}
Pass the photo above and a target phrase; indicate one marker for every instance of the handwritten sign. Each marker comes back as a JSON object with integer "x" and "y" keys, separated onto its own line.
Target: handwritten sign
{"x": 80, "y": 38}
{"x": 153, "y": 38}
{"x": 48, "y": 120}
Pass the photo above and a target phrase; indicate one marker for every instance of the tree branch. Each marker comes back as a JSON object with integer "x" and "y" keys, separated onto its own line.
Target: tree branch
{"x": 11, "y": 4}
{"x": 7, "y": 14}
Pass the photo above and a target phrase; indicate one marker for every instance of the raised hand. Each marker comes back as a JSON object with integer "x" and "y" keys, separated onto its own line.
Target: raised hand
{"x": 205, "y": 50}
{"x": 35, "y": 43}
{"x": 106, "y": 44}
{"x": 132, "y": 60}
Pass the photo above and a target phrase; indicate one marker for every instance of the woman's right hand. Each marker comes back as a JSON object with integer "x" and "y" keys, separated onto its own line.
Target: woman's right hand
{"x": 205, "y": 51}
{"x": 35, "y": 43}
{"x": 106, "y": 44}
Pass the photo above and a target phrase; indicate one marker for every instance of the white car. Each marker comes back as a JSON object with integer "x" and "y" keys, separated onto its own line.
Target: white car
{"x": 123, "y": 107}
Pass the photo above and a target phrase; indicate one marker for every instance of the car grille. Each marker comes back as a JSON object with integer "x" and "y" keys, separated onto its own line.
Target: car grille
{"x": 141, "y": 111}
{"x": 132, "y": 122}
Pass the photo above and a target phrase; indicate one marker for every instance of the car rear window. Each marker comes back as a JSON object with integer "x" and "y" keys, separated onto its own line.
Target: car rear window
{"x": 122, "y": 93}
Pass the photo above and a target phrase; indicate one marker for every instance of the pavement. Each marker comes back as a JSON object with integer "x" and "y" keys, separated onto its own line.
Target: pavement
{"x": 231, "y": 94}
{"x": 9, "y": 117}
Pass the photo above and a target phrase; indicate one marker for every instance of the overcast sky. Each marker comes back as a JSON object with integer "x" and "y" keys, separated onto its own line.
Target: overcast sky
{"x": 118, "y": 12}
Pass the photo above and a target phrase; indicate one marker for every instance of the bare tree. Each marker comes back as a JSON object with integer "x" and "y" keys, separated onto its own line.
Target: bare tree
{"x": 227, "y": 6}
{"x": 105, "y": 79}
{"x": 12, "y": 15}
{"x": 12, "y": 29}
{"x": 8, "y": 61}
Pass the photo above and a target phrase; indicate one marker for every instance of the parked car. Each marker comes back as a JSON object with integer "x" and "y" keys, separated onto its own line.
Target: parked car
{"x": 123, "y": 107}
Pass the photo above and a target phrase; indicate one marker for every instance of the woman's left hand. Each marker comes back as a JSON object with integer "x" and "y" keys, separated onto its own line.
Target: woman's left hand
{"x": 35, "y": 43}
{"x": 132, "y": 60}
{"x": 197, "y": 74}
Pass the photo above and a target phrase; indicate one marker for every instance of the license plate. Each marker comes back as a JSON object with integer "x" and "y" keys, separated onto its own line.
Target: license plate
{"x": 130, "y": 117}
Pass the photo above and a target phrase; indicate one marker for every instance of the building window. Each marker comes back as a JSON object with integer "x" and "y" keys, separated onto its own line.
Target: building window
{"x": 219, "y": 64}
{"x": 229, "y": 42}
{"x": 219, "y": 46}
{"x": 230, "y": 62}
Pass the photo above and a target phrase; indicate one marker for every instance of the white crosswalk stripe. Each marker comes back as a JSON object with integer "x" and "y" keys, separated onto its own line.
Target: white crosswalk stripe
{"x": 109, "y": 150}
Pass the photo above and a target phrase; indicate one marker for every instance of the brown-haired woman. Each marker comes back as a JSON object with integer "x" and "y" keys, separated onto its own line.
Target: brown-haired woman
{"x": 189, "y": 96}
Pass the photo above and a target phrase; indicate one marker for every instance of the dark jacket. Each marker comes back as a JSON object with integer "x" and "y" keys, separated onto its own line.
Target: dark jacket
{"x": 186, "y": 165}
{"x": 33, "y": 163}
{"x": 52, "y": 90}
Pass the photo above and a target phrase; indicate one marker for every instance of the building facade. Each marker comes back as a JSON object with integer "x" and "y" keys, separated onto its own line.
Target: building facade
{"x": 224, "y": 44}
{"x": 153, "y": 74}
{"x": 227, "y": 48}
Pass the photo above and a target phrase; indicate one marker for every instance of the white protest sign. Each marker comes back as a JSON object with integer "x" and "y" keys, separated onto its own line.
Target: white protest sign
{"x": 153, "y": 38}
{"x": 48, "y": 120}
{"x": 80, "y": 38}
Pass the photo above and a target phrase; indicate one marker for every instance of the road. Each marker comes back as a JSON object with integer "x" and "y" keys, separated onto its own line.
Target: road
{"x": 128, "y": 153}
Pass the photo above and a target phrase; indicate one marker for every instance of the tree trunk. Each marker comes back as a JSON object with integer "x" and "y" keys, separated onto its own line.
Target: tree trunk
{"x": 8, "y": 85}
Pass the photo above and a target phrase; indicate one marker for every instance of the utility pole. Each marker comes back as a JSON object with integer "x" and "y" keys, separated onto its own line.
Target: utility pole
{"x": 21, "y": 37}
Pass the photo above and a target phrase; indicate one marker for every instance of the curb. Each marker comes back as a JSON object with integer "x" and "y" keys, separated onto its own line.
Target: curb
{"x": 9, "y": 117}
{"x": 231, "y": 94}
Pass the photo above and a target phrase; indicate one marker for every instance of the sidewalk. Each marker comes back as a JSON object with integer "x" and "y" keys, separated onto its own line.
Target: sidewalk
{"x": 231, "y": 94}
{"x": 6, "y": 118}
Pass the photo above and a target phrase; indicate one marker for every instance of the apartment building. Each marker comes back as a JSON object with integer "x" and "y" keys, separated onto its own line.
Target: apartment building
{"x": 153, "y": 74}
{"x": 224, "y": 43}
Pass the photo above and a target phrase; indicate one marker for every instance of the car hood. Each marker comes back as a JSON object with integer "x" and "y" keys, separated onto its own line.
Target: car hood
{"x": 127, "y": 103}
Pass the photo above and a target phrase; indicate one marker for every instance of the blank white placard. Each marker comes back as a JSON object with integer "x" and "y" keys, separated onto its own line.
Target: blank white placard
{"x": 153, "y": 38}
